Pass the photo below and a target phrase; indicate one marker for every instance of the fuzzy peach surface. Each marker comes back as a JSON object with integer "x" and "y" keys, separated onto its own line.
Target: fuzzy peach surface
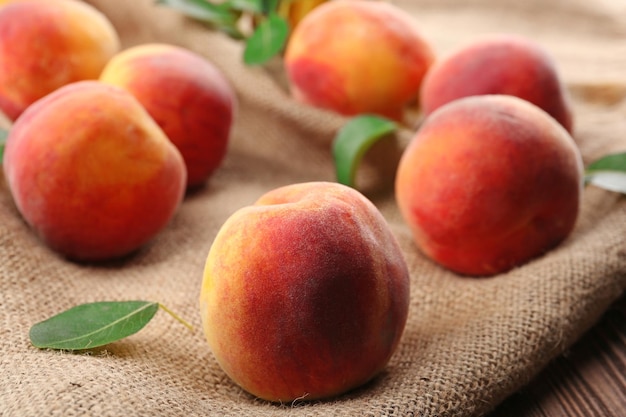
{"x": 305, "y": 293}
{"x": 356, "y": 56}
{"x": 47, "y": 44}
{"x": 499, "y": 64}
{"x": 189, "y": 98}
{"x": 91, "y": 172}
{"x": 488, "y": 183}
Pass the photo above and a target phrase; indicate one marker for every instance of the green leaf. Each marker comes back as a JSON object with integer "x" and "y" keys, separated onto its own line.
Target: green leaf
{"x": 221, "y": 16}
{"x": 91, "y": 325}
{"x": 253, "y": 6}
{"x": 269, "y": 6}
{"x": 608, "y": 172}
{"x": 611, "y": 162}
{"x": 3, "y": 140}
{"x": 354, "y": 139}
{"x": 266, "y": 41}
{"x": 202, "y": 10}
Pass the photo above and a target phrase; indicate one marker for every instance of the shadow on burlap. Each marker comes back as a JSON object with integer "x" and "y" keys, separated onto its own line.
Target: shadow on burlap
{"x": 468, "y": 342}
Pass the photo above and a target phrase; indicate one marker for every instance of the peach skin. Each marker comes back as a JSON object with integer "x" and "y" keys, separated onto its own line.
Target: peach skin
{"x": 294, "y": 11}
{"x": 47, "y": 44}
{"x": 488, "y": 183}
{"x": 499, "y": 64}
{"x": 305, "y": 293}
{"x": 188, "y": 97}
{"x": 357, "y": 56}
{"x": 91, "y": 173}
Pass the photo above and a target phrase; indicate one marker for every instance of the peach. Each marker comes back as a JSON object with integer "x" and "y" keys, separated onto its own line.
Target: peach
{"x": 295, "y": 10}
{"x": 91, "y": 172}
{"x": 357, "y": 56}
{"x": 47, "y": 44}
{"x": 189, "y": 98}
{"x": 488, "y": 183}
{"x": 305, "y": 293}
{"x": 499, "y": 64}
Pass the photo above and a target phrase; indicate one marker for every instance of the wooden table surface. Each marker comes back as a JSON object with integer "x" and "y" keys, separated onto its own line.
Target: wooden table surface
{"x": 588, "y": 380}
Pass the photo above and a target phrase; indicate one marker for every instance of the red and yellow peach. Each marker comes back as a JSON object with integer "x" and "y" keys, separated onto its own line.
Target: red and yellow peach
{"x": 499, "y": 64}
{"x": 488, "y": 183}
{"x": 188, "y": 97}
{"x": 305, "y": 293}
{"x": 357, "y": 56}
{"x": 91, "y": 172}
{"x": 47, "y": 44}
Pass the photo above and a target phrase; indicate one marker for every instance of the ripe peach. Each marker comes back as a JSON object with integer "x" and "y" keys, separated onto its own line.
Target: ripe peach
{"x": 47, "y": 44}
{"x": 498, "y": 64}
{"x": 295, "y": 10}
{"x": 190, "y": 99}
{"x": 91, "y": 172}
{"x": 357, "y": 56}
{"x": 488, "y": 183}
{"x": 305, "y": 293}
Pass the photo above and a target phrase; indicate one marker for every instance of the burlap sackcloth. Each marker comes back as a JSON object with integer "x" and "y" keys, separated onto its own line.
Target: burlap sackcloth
{"x": 468, "y": 342}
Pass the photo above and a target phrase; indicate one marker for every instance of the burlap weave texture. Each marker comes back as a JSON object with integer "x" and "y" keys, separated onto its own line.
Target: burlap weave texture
{"x": 468, "y": 342}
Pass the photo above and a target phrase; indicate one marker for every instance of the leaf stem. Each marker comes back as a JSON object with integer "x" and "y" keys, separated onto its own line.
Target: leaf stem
{"x": 177, "y": 317}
